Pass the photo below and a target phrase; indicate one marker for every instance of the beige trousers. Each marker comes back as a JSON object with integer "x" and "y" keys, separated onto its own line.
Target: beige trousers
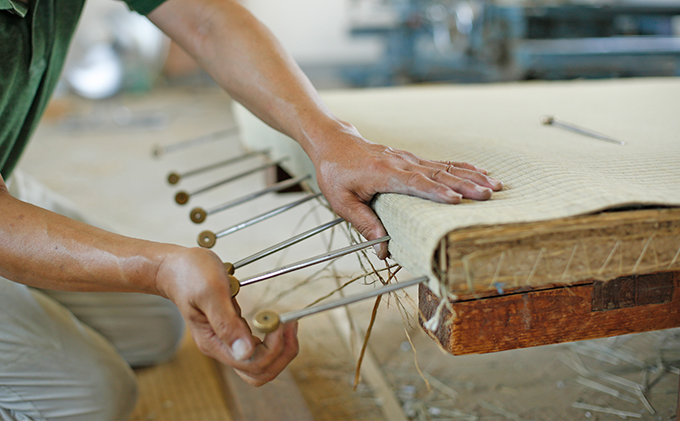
{"x": 67, "y": 355}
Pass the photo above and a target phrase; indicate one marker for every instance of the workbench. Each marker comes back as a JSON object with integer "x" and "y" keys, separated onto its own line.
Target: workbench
{"x": 583, "y": 241}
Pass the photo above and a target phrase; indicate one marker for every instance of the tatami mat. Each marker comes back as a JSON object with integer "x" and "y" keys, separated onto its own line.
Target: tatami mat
{"x": 186, "y": 388}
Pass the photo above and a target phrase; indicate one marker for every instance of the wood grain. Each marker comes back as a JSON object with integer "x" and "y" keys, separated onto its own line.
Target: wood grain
{"x": 187, "y": 387}
{"x": 278, "y": 400}
{"x": 563, "y": 251}
{"x": 555, "y": 315}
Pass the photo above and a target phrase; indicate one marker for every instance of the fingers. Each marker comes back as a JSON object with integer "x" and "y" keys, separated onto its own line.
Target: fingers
{"x": 277, "y": 350}
{"x": 444, "y": 182}
{"x": 364, "y": 220}
{"x": 366, "y": 169}
{"x": 224, "y": 336}
{"x": 196, "y": 280}
{"x": 267, "y": 358}
{"x": 463, "y": 165}
{"x": 466, "y": 171}
{"x": 469, "y": 184}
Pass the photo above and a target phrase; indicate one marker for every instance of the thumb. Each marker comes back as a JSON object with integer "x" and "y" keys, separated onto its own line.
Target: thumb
{"x": 362, "y": 217}
{"x": 232, "y": 334}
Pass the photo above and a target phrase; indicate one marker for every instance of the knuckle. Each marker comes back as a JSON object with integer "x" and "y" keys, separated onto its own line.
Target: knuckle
{"x": 437, "y": 175}
{"x": 292, "y": 351}
{"x": 364, "y": 229}
{"x": 196, "y": 317}
{"x": 378, "y": 166}
{"x": 415, "y": 178}
{"x": 225, "y": 329}
{"x": 469, "y": 184}
{"x": 204, "y": 347}
{"x": 250, "y": 379}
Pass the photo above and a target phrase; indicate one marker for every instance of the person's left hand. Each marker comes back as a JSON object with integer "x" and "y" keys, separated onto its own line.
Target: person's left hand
{"x": 350, "y": 170}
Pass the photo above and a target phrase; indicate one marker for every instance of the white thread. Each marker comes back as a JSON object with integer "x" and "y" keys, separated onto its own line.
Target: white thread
{"x": 585, "y": 257}
{"x": 611, "y": 254}
{"x": 677, "y": 254}
{"x": 644, "y": 249}
{"x": 566, "y": 268}
{"x": 533, "y": 269}
{"x": 468, "y": 274}
{"x": 498, "y": 269}
{"x": 433, "y": 323}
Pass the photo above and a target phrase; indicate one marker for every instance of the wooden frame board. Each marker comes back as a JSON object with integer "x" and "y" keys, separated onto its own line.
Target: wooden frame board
{"x": 588, "y": 310}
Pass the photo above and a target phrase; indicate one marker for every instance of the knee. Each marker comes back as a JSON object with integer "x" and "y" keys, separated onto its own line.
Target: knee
{"x": 95, "y": 385}
{"x": 113, "y": 391}
{"x": 163, "y": 335}
{"x": 170, "y": 329}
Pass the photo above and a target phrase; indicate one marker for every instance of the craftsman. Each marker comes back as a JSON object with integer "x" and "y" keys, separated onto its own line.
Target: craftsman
{"x": 66, "y": 354}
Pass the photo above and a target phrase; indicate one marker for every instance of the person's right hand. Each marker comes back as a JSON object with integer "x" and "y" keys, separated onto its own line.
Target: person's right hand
{"x": 196, "y": 281}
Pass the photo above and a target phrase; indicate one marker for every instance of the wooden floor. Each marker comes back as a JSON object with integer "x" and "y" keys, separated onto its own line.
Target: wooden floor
{"x": 188, "y": 387}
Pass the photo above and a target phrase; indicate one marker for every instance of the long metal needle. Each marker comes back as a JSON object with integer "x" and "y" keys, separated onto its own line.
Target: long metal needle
{"x": 313, "y": 261}
{"x": 182, "y": 197}
{"x": 198, "y": 215}
{"x": 267, "y": 321}
{"x": 553, "y": 121}
{"x": 174, "y": 178}
{"x": 184, "y": 144}
{"x": 287, "y": 243}
{"x": 207, "y": 239}
{"x": 295, "y": 315}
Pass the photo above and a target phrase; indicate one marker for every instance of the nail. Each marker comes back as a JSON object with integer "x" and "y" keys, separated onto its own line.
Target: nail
{"x": 450, "y": 194}
{"x": 495, "y": 183}
{"x": 240, "y": 349}
{"x": 485, "y": 190}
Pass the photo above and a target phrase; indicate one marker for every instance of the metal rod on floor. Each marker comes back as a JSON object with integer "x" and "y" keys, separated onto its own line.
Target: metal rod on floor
{"x": 267, "y": 321}
{"x": 174, "y": 178}
{"x": 183, "y": 197}
{"x": 331, "y": 255}
{"x": 199, "y": 214}
{"x": 184, "y": 144}
{"x": 207, "y": 239}
{"x": 287, "y": 243}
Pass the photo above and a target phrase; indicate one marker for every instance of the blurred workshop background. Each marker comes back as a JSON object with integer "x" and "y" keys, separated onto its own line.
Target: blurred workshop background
{"x": 127, "y": 89}
{"x": 369, "y": 43}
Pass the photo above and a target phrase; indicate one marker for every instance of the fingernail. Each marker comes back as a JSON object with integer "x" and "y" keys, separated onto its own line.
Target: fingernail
{"x": 495, "y": 183}
{"x": 295, "y": 328}
{"x": 483, "y": 189}
{"x": 240, "y": 349}
{"x": 450, "y": 194}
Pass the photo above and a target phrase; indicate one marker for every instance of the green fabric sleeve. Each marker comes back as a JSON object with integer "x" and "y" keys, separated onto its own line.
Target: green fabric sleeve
{"x": 143, "y": 7}
{"x": 15, "y": 7}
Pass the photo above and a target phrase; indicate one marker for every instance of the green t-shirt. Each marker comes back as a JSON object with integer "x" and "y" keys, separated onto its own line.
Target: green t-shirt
{"x": 34, "y": 40}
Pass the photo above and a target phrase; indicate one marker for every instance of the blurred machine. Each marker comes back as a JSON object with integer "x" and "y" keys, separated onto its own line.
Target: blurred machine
{"x": 484, "y": 41}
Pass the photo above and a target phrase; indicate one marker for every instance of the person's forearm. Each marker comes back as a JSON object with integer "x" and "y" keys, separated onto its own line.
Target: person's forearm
{"x": 43, "y": 249}
{"x": 245, "y": 59}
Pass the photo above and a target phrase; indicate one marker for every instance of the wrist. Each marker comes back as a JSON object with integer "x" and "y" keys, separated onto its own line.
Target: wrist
{"x": 161, "y": 259}
{"x": 183, "y": 271}
{"x": 320, "y": 133}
